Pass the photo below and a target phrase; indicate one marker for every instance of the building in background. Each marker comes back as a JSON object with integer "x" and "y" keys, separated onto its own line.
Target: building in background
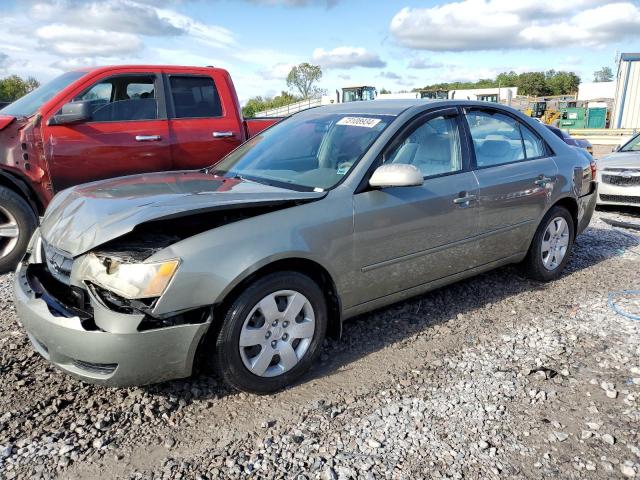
{"x": 626, "y": 110}
{"x": 497, "y": 94}
{"x": 597, "y": 91}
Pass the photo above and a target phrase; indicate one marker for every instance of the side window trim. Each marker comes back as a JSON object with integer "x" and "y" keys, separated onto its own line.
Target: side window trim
{"x": 545, "y": 146}
{"x": 406, "y": 130}
{"x": 157, "y": 84}
{"x": 171, "y": 107}
{"x": 472, "y": 152}
{"x": 418, "y": 122}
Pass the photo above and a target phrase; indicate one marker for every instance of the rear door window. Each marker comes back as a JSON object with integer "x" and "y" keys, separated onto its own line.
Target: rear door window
{"x": 499, "y": 138}
{"x": 195, "y": 97}
{"x": 534, "y": 146}
{"x": 496, "y": 138}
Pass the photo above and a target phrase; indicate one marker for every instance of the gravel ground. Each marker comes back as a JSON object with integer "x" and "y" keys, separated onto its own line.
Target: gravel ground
{"x": 496, "y": 376}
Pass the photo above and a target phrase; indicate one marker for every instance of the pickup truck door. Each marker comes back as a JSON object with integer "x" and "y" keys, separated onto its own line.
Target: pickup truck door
{"x": 127, "y": 134}
{"x": 406, "y": 237}
{"x": 204, "y": 121}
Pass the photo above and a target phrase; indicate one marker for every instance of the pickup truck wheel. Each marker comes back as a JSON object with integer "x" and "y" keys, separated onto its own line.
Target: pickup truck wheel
{"x": 551, "y": 246}
{"x": 272, "y": 333}
{"x": 17, "y": 224}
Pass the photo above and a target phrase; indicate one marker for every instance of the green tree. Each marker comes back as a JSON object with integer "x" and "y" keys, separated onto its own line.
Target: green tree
{"x": 14, "y": 87}
{"x": 304, "y": 78}
{"x": 532, "y": 83}
{"x": 603, "y": 75}
{"x": 529, "y": 83}
{"x": 259, "y": 104}
{"x": 562, "y": 83}
{"x": 507, "y": 79}
{"x": 384, "y": 90}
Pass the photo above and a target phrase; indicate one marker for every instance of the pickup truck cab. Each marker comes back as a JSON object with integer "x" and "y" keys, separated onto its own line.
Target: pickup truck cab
{"x": 98, "y": 123}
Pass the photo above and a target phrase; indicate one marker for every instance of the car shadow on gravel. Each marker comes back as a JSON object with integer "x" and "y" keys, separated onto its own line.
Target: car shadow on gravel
{"x": 373, "y": 331}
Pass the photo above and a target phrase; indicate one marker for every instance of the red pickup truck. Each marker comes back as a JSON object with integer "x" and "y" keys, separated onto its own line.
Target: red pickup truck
{"x": 106, "y": 122}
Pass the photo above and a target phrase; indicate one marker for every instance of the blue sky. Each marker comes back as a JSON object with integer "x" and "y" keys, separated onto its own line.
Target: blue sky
{"x": 393, "y": 44}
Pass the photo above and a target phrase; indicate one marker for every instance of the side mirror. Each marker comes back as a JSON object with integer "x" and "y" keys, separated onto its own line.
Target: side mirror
{"x": 396, "y": 175}
{"x": 72, "y": 112}
{"x": 616, "y": 148}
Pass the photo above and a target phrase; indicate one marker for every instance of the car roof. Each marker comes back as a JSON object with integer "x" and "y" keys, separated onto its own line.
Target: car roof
{"x": 397, "y": 106}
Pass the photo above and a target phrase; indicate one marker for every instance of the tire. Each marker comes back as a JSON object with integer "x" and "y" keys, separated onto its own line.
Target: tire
{"x": 288, "y": 343}
{"x": 15, "y": 213}
{"x": 536, "y": 264}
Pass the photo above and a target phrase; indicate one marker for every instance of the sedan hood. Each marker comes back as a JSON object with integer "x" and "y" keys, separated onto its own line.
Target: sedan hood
{"x": 620, "y": 160}
{"x": 84, "y": 217}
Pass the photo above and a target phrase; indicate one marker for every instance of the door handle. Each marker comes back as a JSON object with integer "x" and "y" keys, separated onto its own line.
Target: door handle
{"x": 148, "y": 138}
{"x": 542, "y": 181}
{"x": 466, "y": 199}
{"x": 222, "y": 134}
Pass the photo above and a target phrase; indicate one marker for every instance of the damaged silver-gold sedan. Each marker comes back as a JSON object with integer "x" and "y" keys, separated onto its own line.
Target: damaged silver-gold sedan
{"x": 331, "y": 213}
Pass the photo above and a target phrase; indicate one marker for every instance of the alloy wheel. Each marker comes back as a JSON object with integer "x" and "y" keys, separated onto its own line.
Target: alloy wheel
{"x": 277, "y": 333}
{"x": 9, "y": 232}
{"x": 555, "y": 243}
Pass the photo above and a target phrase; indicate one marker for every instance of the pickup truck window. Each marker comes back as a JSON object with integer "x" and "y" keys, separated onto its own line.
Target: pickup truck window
{"x": 122, "y": 98}
{"x": 195, "y": 97}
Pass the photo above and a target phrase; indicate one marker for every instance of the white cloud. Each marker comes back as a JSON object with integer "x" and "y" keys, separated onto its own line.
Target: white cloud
{"x": 505, "y": 24}
{"x": 279, "y": 71}
{"x": 397, "y": 79}
{"x": 347, "y": 57}
{"x": 296, "y": 3}
{"x": 75, "y": 41}
{"x": 423, "y": 64}
{"x": 112, "y": 15}
{"x": 591, "y": 28}
{"x": 212, "y": 35}
{"x": 390, "y": 75}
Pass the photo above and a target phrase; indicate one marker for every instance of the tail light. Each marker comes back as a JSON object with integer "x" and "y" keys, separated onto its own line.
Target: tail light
{"x": 594, "y": 169}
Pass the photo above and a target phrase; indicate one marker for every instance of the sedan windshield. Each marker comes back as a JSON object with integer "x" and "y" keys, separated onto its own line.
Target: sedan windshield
{"x": 311, "y": 150}
{"x": 633, "y": 145}
{"x": 30, "y": 103}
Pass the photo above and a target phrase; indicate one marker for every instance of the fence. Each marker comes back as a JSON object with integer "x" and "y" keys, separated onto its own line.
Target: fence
{"x": 603, "y": 136}
{"x": 291, "y": 108}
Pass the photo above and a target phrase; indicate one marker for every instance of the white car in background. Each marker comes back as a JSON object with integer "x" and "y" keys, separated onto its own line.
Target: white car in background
{"x": 619, "y": 175}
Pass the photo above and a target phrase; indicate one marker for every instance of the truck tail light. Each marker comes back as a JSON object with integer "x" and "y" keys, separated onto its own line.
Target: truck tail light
{"x": 594, "y": 169}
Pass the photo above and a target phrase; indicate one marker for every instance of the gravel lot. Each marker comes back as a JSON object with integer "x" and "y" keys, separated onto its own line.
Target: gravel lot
{"x": 492, "y": 377}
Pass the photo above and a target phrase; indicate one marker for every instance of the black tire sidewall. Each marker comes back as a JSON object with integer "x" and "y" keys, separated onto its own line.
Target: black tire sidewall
{"x": 228, "y": 361}
{"x": 534, "y": 266}
{"x": 27, "y": 222}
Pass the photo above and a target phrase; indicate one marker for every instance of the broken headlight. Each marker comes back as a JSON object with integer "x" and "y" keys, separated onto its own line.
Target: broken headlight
{"x": 129, "y": 280}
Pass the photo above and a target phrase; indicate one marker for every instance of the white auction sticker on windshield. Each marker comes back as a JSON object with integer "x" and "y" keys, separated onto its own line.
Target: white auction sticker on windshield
{"x": 359, "y": 122}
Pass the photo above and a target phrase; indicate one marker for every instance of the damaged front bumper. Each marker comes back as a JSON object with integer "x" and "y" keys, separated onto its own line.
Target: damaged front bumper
{"x": 116, "y": 353}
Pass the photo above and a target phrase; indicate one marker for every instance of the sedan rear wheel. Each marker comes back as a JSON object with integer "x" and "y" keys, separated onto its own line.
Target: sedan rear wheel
{"x": 555, "y": 243}
{"x": 272, "y": 333}
{"x": 551, "y": 245}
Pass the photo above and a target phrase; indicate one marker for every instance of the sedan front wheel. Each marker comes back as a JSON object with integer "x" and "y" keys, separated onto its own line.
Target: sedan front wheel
{"x": 272, "y": 333}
